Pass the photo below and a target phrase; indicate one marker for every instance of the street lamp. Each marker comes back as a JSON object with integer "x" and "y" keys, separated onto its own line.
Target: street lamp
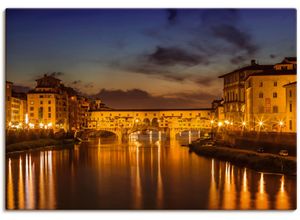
{"x": 281, "y": 123}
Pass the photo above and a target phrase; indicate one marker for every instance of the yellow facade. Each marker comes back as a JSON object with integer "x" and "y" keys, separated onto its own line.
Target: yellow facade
{"x": 265, "y": 108}
{"x": 48, "y": 109}
{"x": 291, "y": 107}
{"x": 18, "y": 110}
{"x": 8, "y": 95}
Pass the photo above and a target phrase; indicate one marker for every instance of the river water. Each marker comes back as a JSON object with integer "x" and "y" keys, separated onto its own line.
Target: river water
{"x": 141, "y": 174}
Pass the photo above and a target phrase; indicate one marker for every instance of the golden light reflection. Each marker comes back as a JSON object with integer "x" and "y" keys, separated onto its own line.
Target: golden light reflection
{"x": 213, "y": 193}
{"x": 245, "y": 197}
{"x": 159, "y": 177}
{"x": 31, "y": 185}
{"x": 42, "y": 183}
{"x": 10, "y": 188}
{"x": 262, "y": 201}
{"x": 137, "y": 186}
{"x": 229, "y": 193}
{"x": 51, "y": 188}
{"x": 282, "y": 199}
{"x": 20, "y": 186}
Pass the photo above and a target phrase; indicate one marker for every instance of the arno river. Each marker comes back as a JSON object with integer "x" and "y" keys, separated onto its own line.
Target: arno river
{"x": 142, "y": 174}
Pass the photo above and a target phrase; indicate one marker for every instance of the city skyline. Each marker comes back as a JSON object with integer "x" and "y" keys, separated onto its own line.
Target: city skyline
{"x": 149, "y": 57}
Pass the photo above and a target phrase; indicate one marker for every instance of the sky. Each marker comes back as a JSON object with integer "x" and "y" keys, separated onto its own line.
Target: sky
{"x": 144, "y": 58}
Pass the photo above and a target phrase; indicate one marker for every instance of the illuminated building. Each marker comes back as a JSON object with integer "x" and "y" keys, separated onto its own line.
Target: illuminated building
{"x": 18, "y": 108}
{"x": 48, "y": 104}
{"x": 234, "y": 90}
{"x": 218, "y": 110}
{"x": 8, "y": 94}
{"x": 291, "y": 105}
{"x": 265, "y": 108}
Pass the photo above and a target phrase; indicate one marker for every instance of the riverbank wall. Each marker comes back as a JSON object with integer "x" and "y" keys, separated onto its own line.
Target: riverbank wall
{"x": 39, "y": 143}
{"x": 272, "y": 142}
{"x": 263, "y": 162}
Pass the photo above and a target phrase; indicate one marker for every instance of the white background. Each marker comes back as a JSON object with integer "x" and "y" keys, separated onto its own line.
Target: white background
{"x": 124, "y": 215}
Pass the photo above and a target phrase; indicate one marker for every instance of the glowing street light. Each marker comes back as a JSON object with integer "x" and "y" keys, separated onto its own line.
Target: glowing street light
{"x": 226, "y": 122}
{"x": 220, "y": 124}
{"x": 41, "y": 125}
{"x": 212, "y": 122}
{"x": 261, "y": 123}
{"x": 281, "y": 123}
{"x": 244, "y": 123}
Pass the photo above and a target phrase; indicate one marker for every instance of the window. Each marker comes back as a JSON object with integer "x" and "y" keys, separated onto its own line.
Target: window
{"x": 31, "y": 114}
{"x": 274, "y": 94}
{"x": 275, "y": 83}
{"x": 40, "y": 112}
{"x": 49, "y": 109}
{"x": 49, "y": 115}
{"x": 41, "y": 102}
{"x": 31, "y": 108}
{"x": 261, "y": 95}
{"x": 291, "y": 107}
{"x": 261, "y": 84}
{"x": 41, "y": 96}
{"x": 290, "y": 93}
{"x": 49, "y": 102}
{"x": 275, "y": 109}
{"x": 291, "y": 125}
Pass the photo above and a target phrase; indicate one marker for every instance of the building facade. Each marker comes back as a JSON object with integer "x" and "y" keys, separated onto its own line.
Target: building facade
{"x": 291, "y": 107}
{"x": 18, "y": 109}
{"x": 234, "y": 92}
{"x": 266, "y": 103}
{"x": 8, "y": 95}
{"x": 48, "y": 104}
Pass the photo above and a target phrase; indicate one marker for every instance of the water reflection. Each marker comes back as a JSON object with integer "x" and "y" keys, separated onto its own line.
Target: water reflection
{"x": 245, "y": 197}
{"x": 262, "y": 201}
{"x": 149, "y": 172}
{"x": 10, "y": 187}
{"x": 282, "y": 199}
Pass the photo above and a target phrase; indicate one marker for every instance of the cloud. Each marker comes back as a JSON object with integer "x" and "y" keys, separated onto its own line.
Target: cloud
{"x": 76, "y": 82}
{"x": 237, "y": 59}
{"x": 273, "y": 56}
{"x": 236, "y": 37}
{"x": 169, "y": 56}
{"x": 20, "y": 88}
{"x": 140, "y": 99}
{"x": 56, "y": 74}
{"x": 172, "y": 15}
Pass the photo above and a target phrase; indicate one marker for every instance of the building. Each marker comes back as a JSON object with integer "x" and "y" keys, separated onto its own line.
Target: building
{"x": 265, "y": 106}
{"x": 19, "y": 109}
{"x": 234, "y": 91}
{"x": 8, "y": 95}
{"x": 48, "y": 104}
{"x": 291, "y": 107}
{"x": 218, "y": 111}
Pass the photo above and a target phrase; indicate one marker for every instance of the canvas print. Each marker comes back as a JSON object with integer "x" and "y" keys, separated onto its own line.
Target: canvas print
{"x": 150, "y": 109}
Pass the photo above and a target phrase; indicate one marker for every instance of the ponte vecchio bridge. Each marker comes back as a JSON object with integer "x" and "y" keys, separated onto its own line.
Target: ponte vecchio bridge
{"x": 172, "y": 121}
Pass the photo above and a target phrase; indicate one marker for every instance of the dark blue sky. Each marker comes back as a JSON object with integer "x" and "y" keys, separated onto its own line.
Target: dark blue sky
{"x": 152, "y": 57}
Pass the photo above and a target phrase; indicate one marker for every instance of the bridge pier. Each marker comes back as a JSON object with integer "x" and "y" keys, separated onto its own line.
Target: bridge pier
{"x": 190, "y": 136}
